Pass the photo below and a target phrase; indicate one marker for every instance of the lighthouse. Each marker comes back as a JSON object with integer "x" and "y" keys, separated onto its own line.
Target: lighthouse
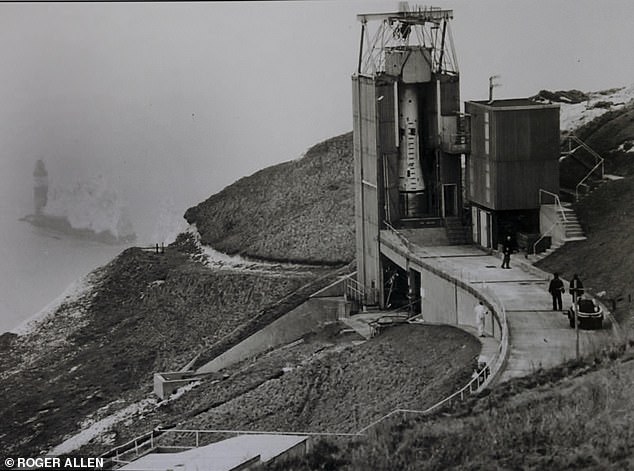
{"x": 40, "y": 186}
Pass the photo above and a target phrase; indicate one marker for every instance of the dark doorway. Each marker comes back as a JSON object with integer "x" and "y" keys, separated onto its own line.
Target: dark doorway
{"x": 450, "y": 200}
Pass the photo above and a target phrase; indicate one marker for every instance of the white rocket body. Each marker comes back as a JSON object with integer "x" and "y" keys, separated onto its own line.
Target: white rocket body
{"x": 411, "y": 182}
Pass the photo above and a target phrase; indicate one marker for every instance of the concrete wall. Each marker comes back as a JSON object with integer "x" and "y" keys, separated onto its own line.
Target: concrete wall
{"x": 445, "y": 300}
{"x": 547, "y": 217}
{"x": 439, "y": 302}
{"x": 448, "y": 301}
{"x": 308, "y": 317}
{"x": 166, "y": 383}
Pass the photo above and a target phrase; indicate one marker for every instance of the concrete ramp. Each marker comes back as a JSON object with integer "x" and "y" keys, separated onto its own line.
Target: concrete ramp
{"x": 233, "y": 454}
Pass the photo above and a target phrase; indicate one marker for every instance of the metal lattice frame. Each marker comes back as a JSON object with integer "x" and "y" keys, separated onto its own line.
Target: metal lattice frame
{"x": 423, "y": 27}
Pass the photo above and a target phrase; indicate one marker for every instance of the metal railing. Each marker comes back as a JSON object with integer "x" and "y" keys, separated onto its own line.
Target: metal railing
{"x": 484, "y": 376}
{"x": 154, "y": 248}
{"x": 543, "y": 236}
{"x": 598, "y": 161}
{"x": 560, "y": 207}
{"x": 184, "y": 439}
{"x": 476, "y": 384}
{"x": 499, "y": 314}
{"x": 356, "y": 292}
{"x": 583, "y": 181}
{"x": 400, "y": 236}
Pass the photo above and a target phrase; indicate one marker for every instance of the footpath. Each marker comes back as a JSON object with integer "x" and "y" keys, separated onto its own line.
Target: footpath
{"x": 538, "y": 336}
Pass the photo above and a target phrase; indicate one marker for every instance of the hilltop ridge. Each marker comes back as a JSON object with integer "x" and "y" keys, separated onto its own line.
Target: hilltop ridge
{"x": 297, "y": 211}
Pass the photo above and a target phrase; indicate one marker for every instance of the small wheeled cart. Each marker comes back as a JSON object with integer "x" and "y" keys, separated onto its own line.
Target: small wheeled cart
{"x": 589, "y": 314}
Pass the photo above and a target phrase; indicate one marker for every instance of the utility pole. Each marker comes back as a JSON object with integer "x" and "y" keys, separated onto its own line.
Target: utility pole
{"x": 575, "y": 310}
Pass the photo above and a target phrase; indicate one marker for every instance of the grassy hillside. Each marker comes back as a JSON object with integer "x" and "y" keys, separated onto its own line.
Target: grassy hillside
{"x": 300, "y": 210}
{"x": 605, "y": 262}
{"x": 326, "y": 383}
{"x": 145, "y": 313}
{"x": 573, "y": 417}
{"x": 612, "y": 136}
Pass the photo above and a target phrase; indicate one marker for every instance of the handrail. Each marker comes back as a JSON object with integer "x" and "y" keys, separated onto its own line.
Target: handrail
{"x": 402, "y": 238}
{"x": 401, "y": 308}
{"x": 500, "y": 314}
{"x": 153, "y": 248}
{"x": 560, "y": 207}
{"x": 582, "y": 182}
{"x": 543, "y": 236}
{"x": 479, "y": 379}
{"x": 356, "y": 291}
{"x": 592, "y": 152}
{"x": 150, "y": 438}
{"x": 599, "y": 161}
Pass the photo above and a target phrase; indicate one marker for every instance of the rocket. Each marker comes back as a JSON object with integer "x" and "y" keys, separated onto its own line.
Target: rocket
{"x": 411, "y": 183}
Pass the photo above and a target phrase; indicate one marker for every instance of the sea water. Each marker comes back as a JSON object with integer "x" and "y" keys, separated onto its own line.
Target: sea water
{"x": 38, "y": 264}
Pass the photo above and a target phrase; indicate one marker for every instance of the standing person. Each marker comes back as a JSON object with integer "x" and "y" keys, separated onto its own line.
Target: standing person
{"x": 555, "y": 288}
{"x": 576, "y": 288}
{"x": 481, "y": 313}
{"x": 506, "y": 250}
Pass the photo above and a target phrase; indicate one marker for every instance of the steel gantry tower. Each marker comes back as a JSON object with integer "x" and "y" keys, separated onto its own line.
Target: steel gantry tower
{"x": 409, "y": 133}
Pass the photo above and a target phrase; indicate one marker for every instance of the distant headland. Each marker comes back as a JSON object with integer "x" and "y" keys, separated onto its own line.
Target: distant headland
{"x": 88, "y": 210}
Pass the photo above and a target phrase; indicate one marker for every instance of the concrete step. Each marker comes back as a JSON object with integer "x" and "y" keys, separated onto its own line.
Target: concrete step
{"x": 609, "y": 177}
{"x": 575, "y": 238}
{"x": 360, "y": 327}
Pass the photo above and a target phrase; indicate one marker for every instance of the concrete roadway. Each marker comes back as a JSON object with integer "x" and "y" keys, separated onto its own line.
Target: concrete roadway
{"x": 538, "y": 336}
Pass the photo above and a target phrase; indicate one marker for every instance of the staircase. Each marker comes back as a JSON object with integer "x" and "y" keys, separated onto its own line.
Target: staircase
{"x": 572, "y": 228}
{"x": 457, "y": 233}
{"x": 557, "y": 221}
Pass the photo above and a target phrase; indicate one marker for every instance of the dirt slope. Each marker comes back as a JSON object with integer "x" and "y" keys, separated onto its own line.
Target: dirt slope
{"x": 324, "y": 384}
{"x": 605, "y": 262}
{"x": 573, "y": 418}
{"x": 146, "y": 313}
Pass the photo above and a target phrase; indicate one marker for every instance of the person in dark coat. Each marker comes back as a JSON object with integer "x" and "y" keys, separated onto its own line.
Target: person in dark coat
{"x": 555, "y": 288}
{"x": 576, "y": 287}
{"x": 506, "y": 251}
